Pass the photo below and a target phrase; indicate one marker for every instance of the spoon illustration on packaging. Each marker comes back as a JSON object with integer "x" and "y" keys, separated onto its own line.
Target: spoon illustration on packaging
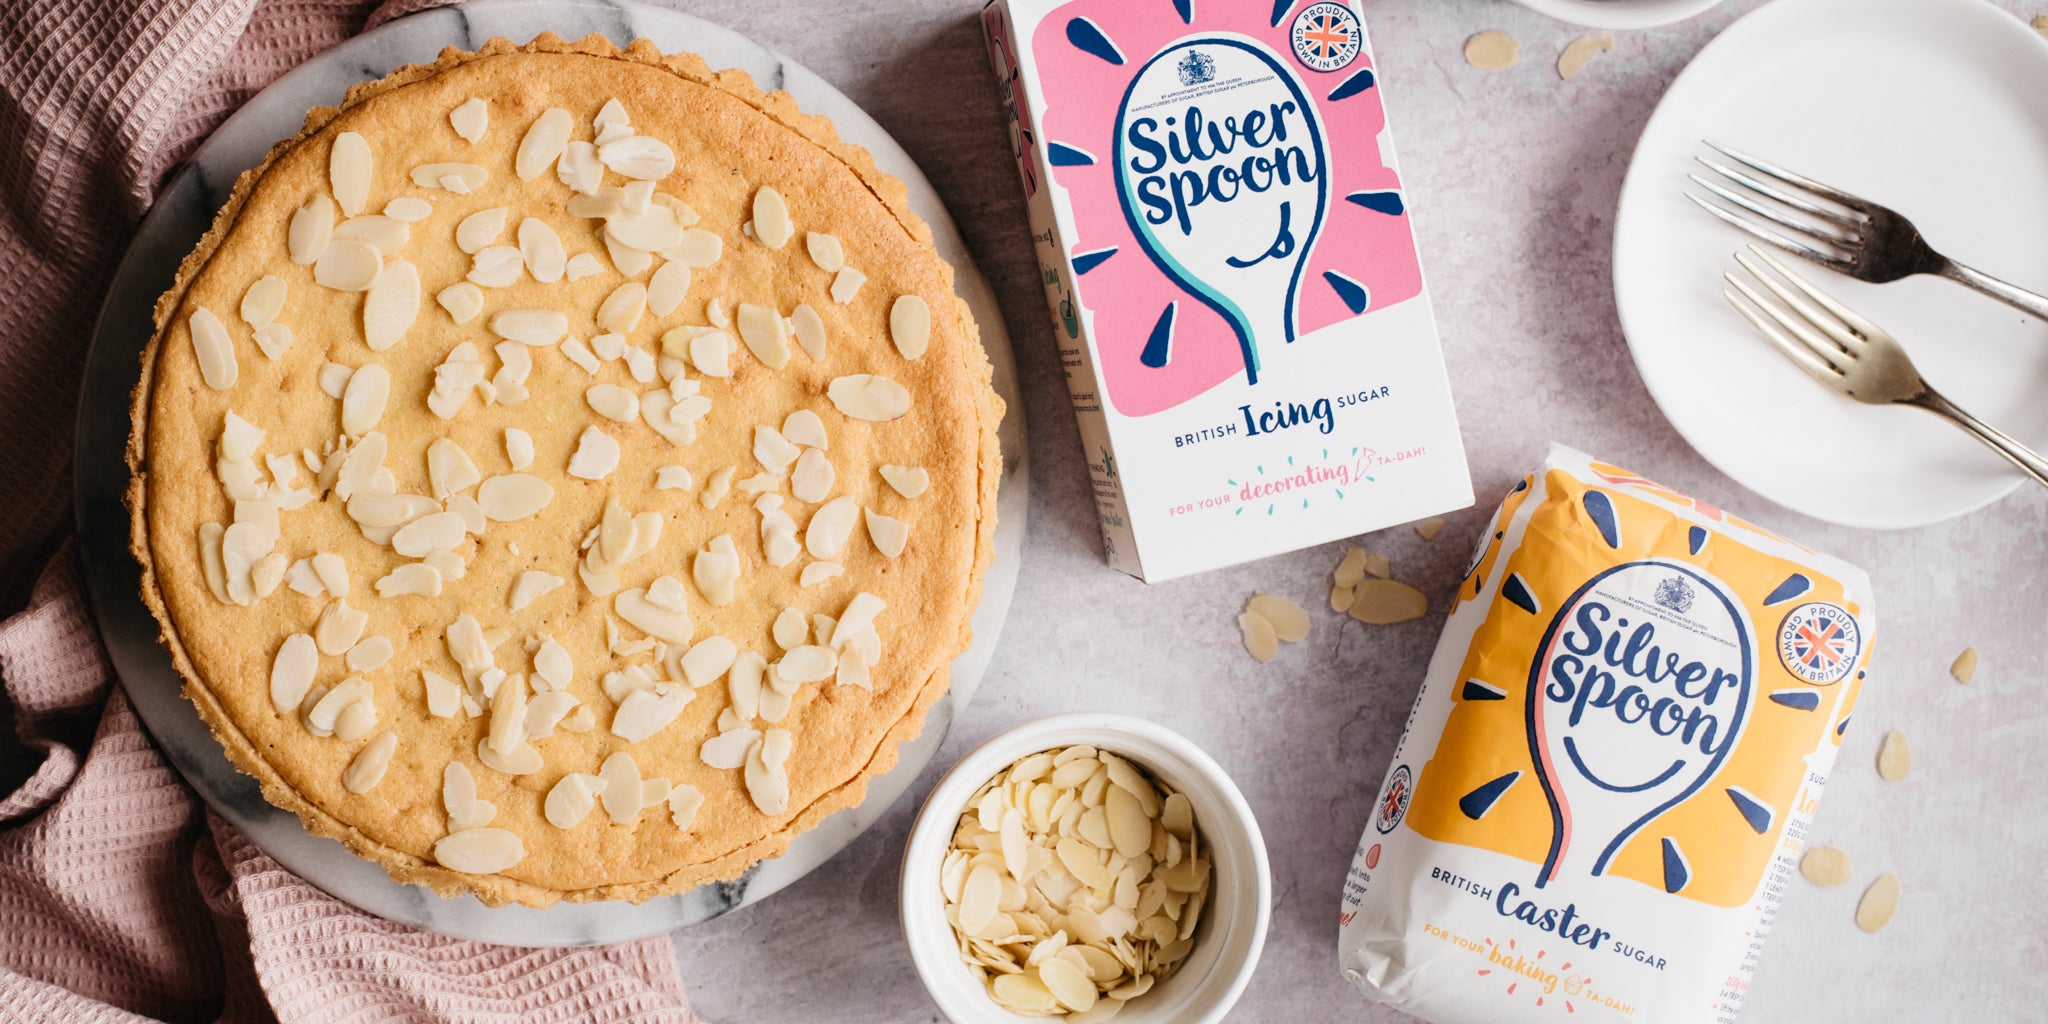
{"x": 1638, "y": 693}
{"x": 1222, "y": 170}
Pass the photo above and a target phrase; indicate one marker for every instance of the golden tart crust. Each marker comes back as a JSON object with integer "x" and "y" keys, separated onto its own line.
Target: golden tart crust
{"x": 729, "y": 139}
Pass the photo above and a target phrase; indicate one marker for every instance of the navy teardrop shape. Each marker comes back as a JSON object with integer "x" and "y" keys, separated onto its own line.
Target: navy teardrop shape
{"x": 1280, "y": 10}
{"x": 1476, "y": 803}
{"x": 1386, "y": 201}
{"x": 1186, "y": 10}
{"x": 1753, "y": 810}
{"x": 1601, "y": 508}
{"x": 1696, "y": 538}
{"x": 1797, "y": 700}
{"x": 1794, "y": 585}
{"x": 1159, "y": 347}
{"x": 1354, "y": 85}
{"x": 1087, "y": 261}
{"x": 1518, "y": 592}
{"x": 1476, "y": 690}
{"x": 1676, "y": 871}
{"x": 1356, "y": 297}
{"x": 1089, "y": 39}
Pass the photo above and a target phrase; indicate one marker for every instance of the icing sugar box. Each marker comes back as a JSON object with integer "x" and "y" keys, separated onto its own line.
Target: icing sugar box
{"x": 1227, "y": 252}
{"x": 1607, "y": 778}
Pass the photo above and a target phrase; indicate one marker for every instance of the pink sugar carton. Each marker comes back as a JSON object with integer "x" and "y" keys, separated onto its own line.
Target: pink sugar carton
{"x": 1227, "y": 251}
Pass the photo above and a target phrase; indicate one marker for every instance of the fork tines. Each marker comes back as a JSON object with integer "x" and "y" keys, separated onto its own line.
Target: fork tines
{"x": 1822, "y": 223}
{"x": 1813, "y": 330}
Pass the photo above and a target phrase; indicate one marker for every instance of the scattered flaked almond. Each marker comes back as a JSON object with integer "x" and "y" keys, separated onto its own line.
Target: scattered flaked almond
{"x": 1825, "y": 866}
{"x": 1964, "y": 668}
{"x": 1581, "y": 51}
{"x": 1879, "y": 902}
{"x": 1492, "y": 50}
{"x": 1894, "y": 757}
{"x": 1290, "y": 622}
{"x": 1260, "y": 639}
{"x": 1430, "y": 528}
{"x": 1384, "y": 602}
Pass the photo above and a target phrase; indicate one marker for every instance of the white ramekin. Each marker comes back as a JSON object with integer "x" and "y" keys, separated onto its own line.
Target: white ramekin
{"x": 1619, "y": 13}
{"x": 1233, "y": 929}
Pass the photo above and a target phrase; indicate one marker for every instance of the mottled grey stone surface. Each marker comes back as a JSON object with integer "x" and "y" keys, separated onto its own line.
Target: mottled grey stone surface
{"x": 1513, "y": 177}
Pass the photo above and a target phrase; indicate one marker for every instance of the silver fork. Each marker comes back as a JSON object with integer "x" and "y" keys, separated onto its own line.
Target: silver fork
{"x": 1859, "y": 238}
{"x": 1849, "y": 353}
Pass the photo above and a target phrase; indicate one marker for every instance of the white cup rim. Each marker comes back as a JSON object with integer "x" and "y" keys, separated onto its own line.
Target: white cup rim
{"x": 1618, "y": 15}
{"x": 1237, "y": 941}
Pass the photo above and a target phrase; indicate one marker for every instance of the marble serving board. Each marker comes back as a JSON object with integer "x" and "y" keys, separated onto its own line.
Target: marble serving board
{"x": 175, "y": 223}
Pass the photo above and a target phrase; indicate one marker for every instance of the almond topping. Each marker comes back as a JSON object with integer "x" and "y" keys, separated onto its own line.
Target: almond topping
{"x": 621, "y": 310}
{"x": 348, "y": 265}
{"x": 339, "y": 628}
{"x": 889, "y": 535}
{"x": 363, "y": 401}
{"x": 818, "y": 572}
{"x": 497, "y": 266}
{"x": 444, "y": 695}
{"x": 367, "y": 769}
{"x": 513, "y": 496}
{"x": 291, "y": 672}
{"x": 579, "y": 168}
{"x": 765, "y": 334}
{"x": 471, "y": 119}
{"x": 910, "y": 325}
{"x": 638, "y": 156}
{"x": 530, "y": 586}
{"x": 812, "y": 480}
{"x": 459, "y": 179}
{"x": 830, "y": 526}
{"x": 572, "y": 799}
{"x": 312, "y": 226}
{"x": 416, "y": 578}
{"x": 846, "y": 284}
{"x": 263, "y": 301}
{"x": 333, "y": 573}
{"x": 476, "y": 232}
{"x": 909, "y": 481}
{"x": 597, "y": 454}
{"x": 369, "y": 654}
{"x": 385, "y": 234}
{"x": 541, "y": 249}
{"x": 272, "y": 340}
{"x": 646, "y": 712}
{"x": 665, "y": 290}
{"x": 441, "y": 531}
{"x": 613, "y": 402}
{"x": 542, "y": 143}
{"x": 825, "y": 251}
{"x": 530, "y": 326}
{"x": 671, "y": 625}
{"x": 523, "y": 760}
{"x": 213, "y": 348}
{"x": 480, "y": 851}
{"x": 672, "y": 478}
{"x": 348, "y": 172}
{"x": 768, "y": 783}
{"x": 865, "y": 396}
{"x": 697, "y": 249}
{"x": 584, "y": 265}
{"x": 809, "y": 329}
{"x": 462, "y": 300}
{"x": 716, "y": 570}
{"x": 772, "y": 226}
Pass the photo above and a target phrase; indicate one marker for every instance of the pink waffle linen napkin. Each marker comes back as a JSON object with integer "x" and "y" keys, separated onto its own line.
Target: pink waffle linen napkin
{"x": 121, "y": 897}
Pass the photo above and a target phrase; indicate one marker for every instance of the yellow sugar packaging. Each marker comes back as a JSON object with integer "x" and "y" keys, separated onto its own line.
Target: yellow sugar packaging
{"x": 1607, "y": 778}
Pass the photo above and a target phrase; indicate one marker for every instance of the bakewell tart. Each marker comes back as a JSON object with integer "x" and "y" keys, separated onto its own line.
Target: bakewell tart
{"x": 564, "y": 472}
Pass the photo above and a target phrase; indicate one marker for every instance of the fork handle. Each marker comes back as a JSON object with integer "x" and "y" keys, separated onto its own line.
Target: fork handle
{"x": 1997, "y": 440}
{"x": 2012, "y": 295}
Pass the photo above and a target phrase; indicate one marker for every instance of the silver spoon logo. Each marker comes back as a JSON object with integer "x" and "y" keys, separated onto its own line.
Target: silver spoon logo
{"x": 1638, "y": 693}
{"x": 1223, "y": 173}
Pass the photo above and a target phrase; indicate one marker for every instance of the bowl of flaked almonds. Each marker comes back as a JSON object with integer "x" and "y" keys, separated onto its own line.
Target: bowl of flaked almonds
{"x": 1084, "y": 867}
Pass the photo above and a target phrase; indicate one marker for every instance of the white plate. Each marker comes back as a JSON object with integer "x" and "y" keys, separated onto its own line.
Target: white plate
{"x": 1931, "y": 107}
{"x": 184, "y": 211}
